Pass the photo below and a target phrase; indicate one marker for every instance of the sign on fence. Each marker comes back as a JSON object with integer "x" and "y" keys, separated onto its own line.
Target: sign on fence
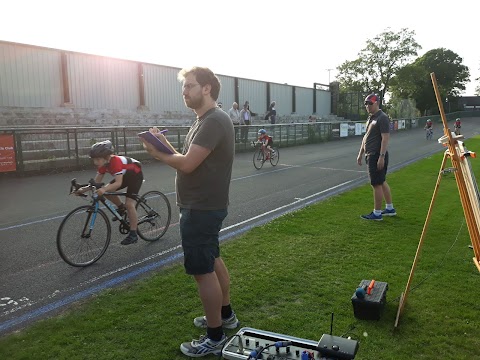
{"x": 7, "y": 153}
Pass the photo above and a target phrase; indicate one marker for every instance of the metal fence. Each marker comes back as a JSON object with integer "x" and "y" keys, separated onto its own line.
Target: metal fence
{"x": 64, "y": 149}
{"x": 48, "y": 149}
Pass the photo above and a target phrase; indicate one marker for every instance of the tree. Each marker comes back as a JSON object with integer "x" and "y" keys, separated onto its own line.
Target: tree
{"x": 378, "y": 62}
{"x": 413, "y": 81}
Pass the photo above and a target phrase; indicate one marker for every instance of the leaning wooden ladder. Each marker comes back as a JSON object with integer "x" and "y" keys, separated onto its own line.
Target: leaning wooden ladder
{"x": 467, "y": 188}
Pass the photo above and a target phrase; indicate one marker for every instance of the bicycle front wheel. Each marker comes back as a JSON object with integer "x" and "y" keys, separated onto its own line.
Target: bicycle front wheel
{"x": 258, "y": 159}
{"x": 274, "y": 156}
{"x": 154, "y": 215}
{"x": 83, "y": 236}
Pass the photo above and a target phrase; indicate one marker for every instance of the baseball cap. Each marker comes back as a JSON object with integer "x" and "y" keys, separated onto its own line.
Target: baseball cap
{"x": 372, "y": 98}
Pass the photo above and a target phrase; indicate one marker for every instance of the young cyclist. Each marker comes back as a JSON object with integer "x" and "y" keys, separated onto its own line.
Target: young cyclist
{"x": 429, "y": 128}
{"x": 128, "y": 174}
{"x": 266, "y": 142}
{"x": 457, "y": 126}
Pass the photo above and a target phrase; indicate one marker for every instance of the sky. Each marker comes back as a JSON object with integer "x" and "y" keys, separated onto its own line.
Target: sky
{"x": 294, "y": 42}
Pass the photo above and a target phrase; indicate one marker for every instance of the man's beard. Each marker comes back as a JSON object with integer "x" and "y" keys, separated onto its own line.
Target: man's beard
{"x": 193, "y": 103}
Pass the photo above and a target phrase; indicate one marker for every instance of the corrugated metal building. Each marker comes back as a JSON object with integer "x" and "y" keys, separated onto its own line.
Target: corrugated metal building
{"x": 32, "y": 76}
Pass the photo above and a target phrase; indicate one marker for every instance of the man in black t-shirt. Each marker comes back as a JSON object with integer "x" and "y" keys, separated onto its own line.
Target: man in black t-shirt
{"x": 374, "y": 147}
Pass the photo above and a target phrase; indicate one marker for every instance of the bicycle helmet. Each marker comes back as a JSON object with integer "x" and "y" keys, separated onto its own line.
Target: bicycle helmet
{"x": 262, "y": 132}
{"x": 101, "y": 149}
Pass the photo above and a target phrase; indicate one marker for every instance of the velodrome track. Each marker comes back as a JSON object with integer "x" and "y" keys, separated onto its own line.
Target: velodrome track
{"x": 36, "y": 283}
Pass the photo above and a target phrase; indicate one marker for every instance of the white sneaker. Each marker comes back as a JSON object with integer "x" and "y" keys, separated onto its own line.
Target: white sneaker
{"x": 203, "y": 346}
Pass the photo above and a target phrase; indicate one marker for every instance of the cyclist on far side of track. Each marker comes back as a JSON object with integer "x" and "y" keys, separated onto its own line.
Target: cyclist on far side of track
{"x": 128, "y": 174}
{"x": 457, "y": 126}
{"x": 429, "y": 127}
{"x": 267, "y": 142}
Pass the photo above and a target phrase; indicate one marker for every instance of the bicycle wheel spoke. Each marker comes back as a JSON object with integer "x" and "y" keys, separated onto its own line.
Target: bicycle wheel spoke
{"x": 154, "y": 215}
{"x": 77, "y": 244}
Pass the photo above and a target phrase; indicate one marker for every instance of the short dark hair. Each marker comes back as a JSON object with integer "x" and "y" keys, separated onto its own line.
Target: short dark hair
{"x": 204, "y": 76}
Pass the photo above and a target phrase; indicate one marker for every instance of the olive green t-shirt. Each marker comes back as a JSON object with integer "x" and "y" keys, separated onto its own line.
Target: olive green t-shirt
{"x": 207, "y": 187}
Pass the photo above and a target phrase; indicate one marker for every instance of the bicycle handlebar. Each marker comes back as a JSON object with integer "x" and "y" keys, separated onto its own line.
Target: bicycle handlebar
{"x": 74, "y": 186}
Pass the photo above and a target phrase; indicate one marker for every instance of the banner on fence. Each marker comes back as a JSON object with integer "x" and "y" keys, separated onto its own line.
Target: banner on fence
{"x": 343, "y": 130}
{"x": 7, "y": 153}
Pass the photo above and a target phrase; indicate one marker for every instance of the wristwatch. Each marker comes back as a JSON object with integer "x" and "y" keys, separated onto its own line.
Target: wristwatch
{"x": 382, "y": 154}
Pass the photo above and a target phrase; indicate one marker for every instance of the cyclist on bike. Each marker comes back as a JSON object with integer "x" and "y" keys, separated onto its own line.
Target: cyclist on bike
{"x": 457, "y": 126}
{"x": 128, "y": 174}
{"x": 266, "y": 142}
{"x": 429, "y": 128}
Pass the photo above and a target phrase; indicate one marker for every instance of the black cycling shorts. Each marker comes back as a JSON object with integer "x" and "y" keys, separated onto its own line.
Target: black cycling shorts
{"x": 133, "y": 182}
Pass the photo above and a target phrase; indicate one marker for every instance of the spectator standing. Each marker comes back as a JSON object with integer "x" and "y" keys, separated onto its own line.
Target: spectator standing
{"x": 234, "y": 114}
{"x": 204, "y": 170}
{"x": 271, "y": 113}
{"x": 374, "y": 147}
{"x": 245, "y": 122}
{"x": 248, "y": 108}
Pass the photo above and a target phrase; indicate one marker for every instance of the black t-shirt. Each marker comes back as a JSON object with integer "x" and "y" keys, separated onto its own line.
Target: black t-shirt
{"x": 377, "y": 124}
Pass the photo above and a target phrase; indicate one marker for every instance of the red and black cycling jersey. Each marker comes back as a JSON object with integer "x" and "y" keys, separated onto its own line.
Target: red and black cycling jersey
{"x": 458, "y": 124}
{"x": 120, "y": 165}
{"x": 264, "y": 138}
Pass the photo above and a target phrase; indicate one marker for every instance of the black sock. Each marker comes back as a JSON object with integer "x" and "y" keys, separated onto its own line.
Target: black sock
{"x": 226, "y": 311}
{"x": 133, "y": 232}
{"x": 215, "y": 333}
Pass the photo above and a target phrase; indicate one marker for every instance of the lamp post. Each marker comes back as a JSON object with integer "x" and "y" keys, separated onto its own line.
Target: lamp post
{"x": 329, "y": 75}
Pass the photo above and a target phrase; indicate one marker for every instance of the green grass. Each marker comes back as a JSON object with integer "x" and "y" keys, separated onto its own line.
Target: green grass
{"x": 291, "y": 274}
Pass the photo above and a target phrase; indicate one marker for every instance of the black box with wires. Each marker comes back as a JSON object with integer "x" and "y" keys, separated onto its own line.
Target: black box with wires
{"x": 369, "y": 299}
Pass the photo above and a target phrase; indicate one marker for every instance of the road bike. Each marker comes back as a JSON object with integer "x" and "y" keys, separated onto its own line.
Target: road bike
{"x": 85, "y": 232}
{"x": 428, "y": 133}
{"x": 259, "y": 157}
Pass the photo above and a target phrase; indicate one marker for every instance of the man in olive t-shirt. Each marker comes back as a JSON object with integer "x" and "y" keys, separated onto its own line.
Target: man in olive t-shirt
{"x": 204, "y": 170}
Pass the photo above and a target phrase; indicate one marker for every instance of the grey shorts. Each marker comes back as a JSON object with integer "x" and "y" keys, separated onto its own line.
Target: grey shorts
{"x": 199, "y": 231}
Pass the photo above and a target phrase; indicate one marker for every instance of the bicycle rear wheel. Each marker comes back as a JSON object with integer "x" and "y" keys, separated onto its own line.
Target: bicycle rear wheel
{"x": 83, "y": 236}
{"x": 274, "y": 157}
{"x": 258, "y": 159}
{"x": 154, "y": 215}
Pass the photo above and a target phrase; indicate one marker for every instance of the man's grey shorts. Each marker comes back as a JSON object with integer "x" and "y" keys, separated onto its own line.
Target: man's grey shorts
{"x": 199, "y": 231}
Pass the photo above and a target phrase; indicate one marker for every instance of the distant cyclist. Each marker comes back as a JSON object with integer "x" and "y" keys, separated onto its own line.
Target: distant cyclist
{"x": 457, "y": 126}
{"x": 128, "y": 174}
{"x": 267, "y": 143}
{"x": 429, "y": 129}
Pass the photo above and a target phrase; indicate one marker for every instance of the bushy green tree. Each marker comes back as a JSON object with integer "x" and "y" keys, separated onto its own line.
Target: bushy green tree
{"x": 378, "y": 62}
{"x": 413, "y": 81}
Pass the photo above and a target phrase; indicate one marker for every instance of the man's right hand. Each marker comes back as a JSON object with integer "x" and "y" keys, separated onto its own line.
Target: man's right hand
{"x": 359, "y": 159}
